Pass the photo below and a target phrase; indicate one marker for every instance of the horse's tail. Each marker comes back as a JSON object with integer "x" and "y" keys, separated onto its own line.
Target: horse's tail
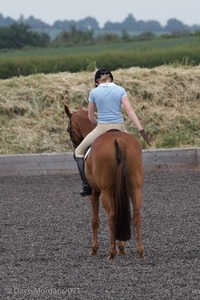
{"x": 122, "y": 194}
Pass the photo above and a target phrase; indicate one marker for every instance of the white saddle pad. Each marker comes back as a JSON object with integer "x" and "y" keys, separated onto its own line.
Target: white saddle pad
{"x": 86, "y": 154}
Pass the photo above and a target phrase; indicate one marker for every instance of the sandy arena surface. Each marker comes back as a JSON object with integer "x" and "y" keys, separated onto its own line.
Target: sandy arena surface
{"x": 45, "y": 238}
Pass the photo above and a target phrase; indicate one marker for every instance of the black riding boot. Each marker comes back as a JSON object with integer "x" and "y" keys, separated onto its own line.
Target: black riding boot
{"x": 87, "y": 191}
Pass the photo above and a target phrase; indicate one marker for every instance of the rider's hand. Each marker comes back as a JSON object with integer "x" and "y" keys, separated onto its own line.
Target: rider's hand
{"x": 146, "y": 137}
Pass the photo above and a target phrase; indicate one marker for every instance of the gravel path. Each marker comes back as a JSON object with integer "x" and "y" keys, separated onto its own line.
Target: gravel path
{"x": 45, "y": 238}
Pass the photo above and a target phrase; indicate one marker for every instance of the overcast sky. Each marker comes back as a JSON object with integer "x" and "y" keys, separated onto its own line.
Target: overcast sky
{"x": 187, "y": 11}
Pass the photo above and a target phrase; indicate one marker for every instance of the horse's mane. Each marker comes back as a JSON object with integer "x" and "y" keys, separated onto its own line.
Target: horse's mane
{"x": 82, "y": 113}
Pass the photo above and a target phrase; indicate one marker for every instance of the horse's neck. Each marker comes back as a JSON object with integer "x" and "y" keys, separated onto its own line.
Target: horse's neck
{"x": 85, "y": 126}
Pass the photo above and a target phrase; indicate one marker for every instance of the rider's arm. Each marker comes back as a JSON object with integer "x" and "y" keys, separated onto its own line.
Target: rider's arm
{"x": 91, "y": 115}
{"x": 131, "y": 113}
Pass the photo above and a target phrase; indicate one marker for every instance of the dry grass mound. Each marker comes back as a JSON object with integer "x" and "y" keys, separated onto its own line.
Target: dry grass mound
{"x": 166, "y": 99}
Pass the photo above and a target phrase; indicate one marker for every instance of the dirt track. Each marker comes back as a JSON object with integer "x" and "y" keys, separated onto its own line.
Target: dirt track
{"x": 45, "y": 238}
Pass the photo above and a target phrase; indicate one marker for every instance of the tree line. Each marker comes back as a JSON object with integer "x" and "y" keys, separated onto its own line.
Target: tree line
{"x": 89, "y": 23}
{"x": 18, "y": 36}
{"x": 21, "y": 35}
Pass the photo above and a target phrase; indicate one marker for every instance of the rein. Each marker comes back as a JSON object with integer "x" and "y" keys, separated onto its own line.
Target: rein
{"x": 165, "y": 164}
{"x": 72, "y": 135}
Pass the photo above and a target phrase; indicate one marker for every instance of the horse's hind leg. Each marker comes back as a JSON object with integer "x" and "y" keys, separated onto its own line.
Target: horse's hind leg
{"x": 94, "y": 199}
{"x": 137, "y": 203}
{"x": 106, "y": 200}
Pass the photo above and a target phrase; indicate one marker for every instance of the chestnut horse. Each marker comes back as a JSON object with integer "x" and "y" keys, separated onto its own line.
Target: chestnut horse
{"x": 113, "y": 169}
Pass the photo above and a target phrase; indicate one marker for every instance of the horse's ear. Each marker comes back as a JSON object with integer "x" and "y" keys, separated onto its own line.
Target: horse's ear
{"x": 80, "y": 108}
{"x": 69, "y": 114}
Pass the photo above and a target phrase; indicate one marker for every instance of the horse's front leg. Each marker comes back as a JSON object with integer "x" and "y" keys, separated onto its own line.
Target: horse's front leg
{"x": 121, "y": 247}
{"x": 94, "y": 199}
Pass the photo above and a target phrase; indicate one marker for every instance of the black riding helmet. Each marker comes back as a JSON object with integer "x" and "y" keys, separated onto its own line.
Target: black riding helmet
{"x": 100, "y": 72}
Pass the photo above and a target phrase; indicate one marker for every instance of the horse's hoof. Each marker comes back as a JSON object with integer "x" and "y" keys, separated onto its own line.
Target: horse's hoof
{"x": 122, "y": 252}
{"x": 141, "y": 255}
{"x": 92, "y": 253}
{"x": 111, "y": 256}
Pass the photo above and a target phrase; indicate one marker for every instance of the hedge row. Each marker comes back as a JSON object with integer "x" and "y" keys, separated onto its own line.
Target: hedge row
{"x": 113, "y": 60}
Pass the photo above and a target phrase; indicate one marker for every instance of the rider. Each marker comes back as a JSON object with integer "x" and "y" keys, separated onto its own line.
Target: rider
{"x": 108, "y": 98}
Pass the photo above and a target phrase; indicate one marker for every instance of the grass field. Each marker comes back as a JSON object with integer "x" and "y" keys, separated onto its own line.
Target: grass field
{"x": 156, "y": 43}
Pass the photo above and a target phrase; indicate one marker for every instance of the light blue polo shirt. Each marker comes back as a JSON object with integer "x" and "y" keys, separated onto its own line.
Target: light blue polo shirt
{"x": 108, "y": 99}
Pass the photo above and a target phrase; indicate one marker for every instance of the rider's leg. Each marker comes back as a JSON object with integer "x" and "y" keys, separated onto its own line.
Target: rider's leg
{"x": 79, "y": 158}
{"x": 84, "y": 145}
{"x": 86, "y": 189}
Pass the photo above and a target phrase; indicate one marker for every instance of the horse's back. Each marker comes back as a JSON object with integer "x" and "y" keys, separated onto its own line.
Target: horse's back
{"x": 104, "y": 146}
{"x": 103, "y": 160}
